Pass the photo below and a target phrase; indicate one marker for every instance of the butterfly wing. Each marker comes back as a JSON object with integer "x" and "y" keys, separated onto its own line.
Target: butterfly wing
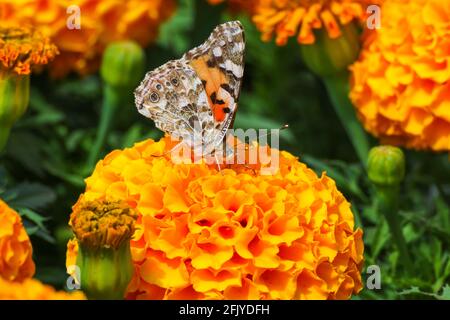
{"x": 219, "y": 63}
{"x": 173, "y": 96}
{"x": 195, "y": 98}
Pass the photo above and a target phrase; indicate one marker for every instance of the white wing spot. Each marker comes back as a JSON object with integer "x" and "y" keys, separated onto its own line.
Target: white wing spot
{"x": 237, "y": 70}
{"x": 217, "y": 51}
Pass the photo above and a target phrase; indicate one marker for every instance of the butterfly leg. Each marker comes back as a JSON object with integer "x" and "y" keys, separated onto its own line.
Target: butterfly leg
{"x": 169, "y": 151}
{"x": 217, "y": 162}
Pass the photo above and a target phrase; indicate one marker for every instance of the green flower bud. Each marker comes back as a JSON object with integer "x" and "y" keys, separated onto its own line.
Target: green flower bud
{"x": 103, "y": 231}
{"x": 326, "y": 56}
{"x": 14, "y": 97}
{"x": 123, "y": 64}
{"x": 105, "y": 272}
{"x": 386, "y": 166}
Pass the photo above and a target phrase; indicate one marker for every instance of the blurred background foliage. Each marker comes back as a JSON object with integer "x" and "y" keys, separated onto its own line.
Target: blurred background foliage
{"x": 42, "y": 172}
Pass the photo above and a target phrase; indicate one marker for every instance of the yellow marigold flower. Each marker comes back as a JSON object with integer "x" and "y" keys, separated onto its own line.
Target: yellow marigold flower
{"x": 23, "y": 47}
{"x": 32, "y": 289}
{"x": 102, "y": 22}
{"x": 400, "y": 84}
{"x": 233, "y": 234}
{"x": 103, "y": 230}
{"x": 98, "y": 224}
{"x": 16, "y": 263}
{"x": 288, "y": 18}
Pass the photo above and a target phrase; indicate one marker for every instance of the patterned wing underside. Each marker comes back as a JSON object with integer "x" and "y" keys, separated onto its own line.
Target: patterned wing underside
{"x": 194, "y": 98}
{"x": 174, "y": 98}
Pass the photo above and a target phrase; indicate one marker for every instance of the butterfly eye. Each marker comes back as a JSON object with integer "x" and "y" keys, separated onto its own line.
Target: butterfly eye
{"x": 154, "y": 97}
{"x": 174, "y": 82}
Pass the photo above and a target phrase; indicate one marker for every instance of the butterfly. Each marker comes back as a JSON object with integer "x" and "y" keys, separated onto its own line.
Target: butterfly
{"x": 194, "y": 99}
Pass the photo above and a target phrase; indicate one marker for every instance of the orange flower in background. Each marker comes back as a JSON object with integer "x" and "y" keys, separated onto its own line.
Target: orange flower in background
{"x": 16, "y": 263}
{"x": 400, "y": 84}
{"x": 21, "y": 48}
{"x": 32, "y": 289}
{"x": 233, "y": 234}
{"x": 236, "y": 6}
{"x": 289, "y": 18}
{"x": 102, "y": 22}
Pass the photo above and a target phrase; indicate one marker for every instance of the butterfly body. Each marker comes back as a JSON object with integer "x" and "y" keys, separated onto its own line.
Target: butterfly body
{"x": 194, "y": 99}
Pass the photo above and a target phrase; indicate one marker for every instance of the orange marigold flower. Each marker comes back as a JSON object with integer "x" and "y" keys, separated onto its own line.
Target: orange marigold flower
{"x": 102, "y": 22}
{"x": 288, "y": 18}
{"x": 16, "y": 263}
{"x": 32, "y": 289}
{"x": 233, "y": 234}
{"x": 23, "y": 47}
{"x": 236, "y": 6}
{"x": 400, "y": 84}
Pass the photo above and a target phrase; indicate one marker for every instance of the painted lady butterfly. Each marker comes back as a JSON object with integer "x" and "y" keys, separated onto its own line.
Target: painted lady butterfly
{"x": 194, "y": 99}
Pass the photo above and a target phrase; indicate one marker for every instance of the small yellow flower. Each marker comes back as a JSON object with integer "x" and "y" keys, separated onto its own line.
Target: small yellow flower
{"x": 97, "y": 224}
{"x": 23, "y": 47}
{"x": 234, "y": 234}
{"x": 400, "y": 84}
{"x": 32, "y": 289}
{"x": 103, "y": 230}
{"x": 16, "y": 263}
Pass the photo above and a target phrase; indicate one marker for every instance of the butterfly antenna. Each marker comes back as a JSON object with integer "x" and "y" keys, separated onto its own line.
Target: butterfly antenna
{"x": 283, "y": 127}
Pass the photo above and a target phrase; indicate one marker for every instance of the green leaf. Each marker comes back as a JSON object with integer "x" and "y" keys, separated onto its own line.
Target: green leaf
{"x": 38, "y": 102}
{"x": 24, "y": 148}
{"x": 381, "y": 237}
{"x": 34, "y": 217}
{"x": 41, "y": 120}
{"x": 131, "y": 136}
{"x": 72, "y": 178}
{"x": 30, "y": 195}
{"x": 45, "y": 236}
{"x": 445, "y": 295}
{"x": 34, "y": 224}
{"x": 74, "y": 139}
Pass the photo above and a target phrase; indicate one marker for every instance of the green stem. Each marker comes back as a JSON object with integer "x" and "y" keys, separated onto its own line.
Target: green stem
{"x": 4, "y": 134}
{"x": 338, "y": 89}
{"x": 387, "y": 197}
{"x": 111, "y": 102}
{"x": 105, "y": 272}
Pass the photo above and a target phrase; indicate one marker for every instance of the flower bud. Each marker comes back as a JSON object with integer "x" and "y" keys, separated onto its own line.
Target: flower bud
{"x": 386, "y": 166}
{"x": 14, "y": 97}
{"x": 103, "y": 231}
{"x": 123, "y": 64}
{"x": 327, "y": 56}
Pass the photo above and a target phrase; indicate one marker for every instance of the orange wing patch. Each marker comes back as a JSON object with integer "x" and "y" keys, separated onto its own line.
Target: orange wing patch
{"x": 212, "y": 78}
